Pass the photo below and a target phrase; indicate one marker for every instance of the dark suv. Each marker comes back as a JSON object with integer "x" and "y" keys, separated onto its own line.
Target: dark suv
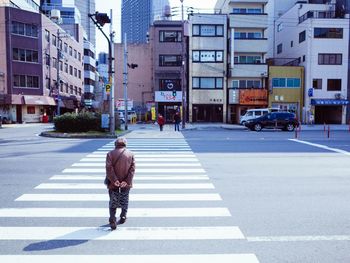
{"x": 280, "y": 120}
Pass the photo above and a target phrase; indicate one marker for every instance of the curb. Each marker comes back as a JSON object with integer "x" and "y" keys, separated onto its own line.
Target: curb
{"x": 80, "y": 136}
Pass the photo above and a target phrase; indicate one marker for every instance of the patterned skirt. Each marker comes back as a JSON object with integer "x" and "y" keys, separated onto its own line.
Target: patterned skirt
{"x": 119, "y": 198}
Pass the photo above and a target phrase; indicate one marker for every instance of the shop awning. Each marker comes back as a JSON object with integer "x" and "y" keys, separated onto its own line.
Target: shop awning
{"x": 328, "y": 102}
{"x": 39, "y": 100}
{"x": 17, "y": 99}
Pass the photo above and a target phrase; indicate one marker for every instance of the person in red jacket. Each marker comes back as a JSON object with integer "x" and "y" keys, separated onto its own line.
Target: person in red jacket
{"x": 160, "y": 121}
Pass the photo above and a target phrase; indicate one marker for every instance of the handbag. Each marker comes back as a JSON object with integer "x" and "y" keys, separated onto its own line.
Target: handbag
{"x": 107, "y": 181}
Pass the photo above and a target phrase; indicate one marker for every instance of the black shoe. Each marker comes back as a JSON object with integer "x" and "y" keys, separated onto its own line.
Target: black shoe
{"x": 112, "y": 224}
{"x": 122, "y": 220}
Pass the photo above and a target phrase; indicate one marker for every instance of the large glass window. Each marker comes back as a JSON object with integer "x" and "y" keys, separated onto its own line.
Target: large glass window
{"x": 170, "y": 60}
{"x": 247, "y": 59}
{"x": 302, "y": 36}
{"x": 26, "y": 81}
{"x": 23, "y": 29}
{"x": 25, "y": 55}
{"x": 246, "y": 83}
{"x": 247, "y": 10}
{"x": 334, "y": 84}
{"x": 320, "y": 32}
{"x": 248, "y": 35}
{"x": 207, "y": 56}
{"x": 170, "y": 36}
{"x": 207, "y": 83}
{"x": 330, "y": 59}
{"x": 286, "y": 83}
{"x": 208, "y": 30}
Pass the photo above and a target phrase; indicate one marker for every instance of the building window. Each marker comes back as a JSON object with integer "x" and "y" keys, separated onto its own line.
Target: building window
{"x": 66, "y": 67}
{"x": 25, "y": 55}
{"x": 89, "y": 53}
{"x": 71, "y": 70}
{"x": 208, "y": 30}
{"x": 291, "y": 43}
{"x": 79, "y": 74}
{"x": 170, "y": 36}
{"x": 65, "y": 48}
{"x": 247, "y": 11}
{"x": 279, "y": 48}
{"x": 286, "y": 83}
{"x": 54, "y": 40}
{"x": 304, "y": 58}
{"x": 207, "y": 56}
{"x": 334, "y": 84}
{"x": 75, "y": 54}
{"x": 29, "y": 30}
{"x": 302, "y": 36}
{"x": 248, "y": 35}
{"x": 61, "y": 65}
{"x": 47, "y": 35}
{"x": 47, "y": 59}
{"x": 79, "y": 56}
{"x": 70, "y": 51}
{"x": 320, "y": 32}
{"x": 75, "y": 72}
{"x": 170, "y": 60}
{"x": 279, "y": 27}
{"x": 317, "y": 83}
{"x": 247, "y": 59}
{"x": 207, "y": 83}
{"x": 25, "y": 81}
{"x": 246, "y": 83}
{"x": 54, "y": 63}
{"x": 330, "y": 59}
{"x": 170, "y": 84}
{"x": 30, "y": 109}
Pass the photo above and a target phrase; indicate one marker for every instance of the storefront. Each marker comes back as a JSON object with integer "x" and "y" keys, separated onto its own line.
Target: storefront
{"x": 168, "y": 103}
{"x": 329, "y": 111}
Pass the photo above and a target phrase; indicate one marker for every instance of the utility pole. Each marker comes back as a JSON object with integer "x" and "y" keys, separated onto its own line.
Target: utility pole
{"x": 125, "y": 81}
{"x": 111, "y": 76}
{"x": 183, "y": 88}
{"x": 58, "y": 73}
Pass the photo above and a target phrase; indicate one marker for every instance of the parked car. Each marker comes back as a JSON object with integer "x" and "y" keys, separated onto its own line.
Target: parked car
{"x": 255, "y": 113}
{"x": 281, "y": 120}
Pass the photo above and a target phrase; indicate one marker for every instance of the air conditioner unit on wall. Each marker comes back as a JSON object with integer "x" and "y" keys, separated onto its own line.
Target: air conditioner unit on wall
{"x": 337, "y": 96}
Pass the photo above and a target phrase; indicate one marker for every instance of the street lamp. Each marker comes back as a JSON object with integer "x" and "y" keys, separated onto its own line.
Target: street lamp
{"x": 100, "y": 19}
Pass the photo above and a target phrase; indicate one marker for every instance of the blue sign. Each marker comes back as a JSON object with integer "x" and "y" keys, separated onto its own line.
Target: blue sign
{"x": 310, "y": 92}
{"x": 329, "y": 102}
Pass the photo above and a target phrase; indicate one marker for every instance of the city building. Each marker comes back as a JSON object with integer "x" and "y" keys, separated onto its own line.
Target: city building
{"x": 247, "y": 54}
{"x": 28, "y": 5}
{"x": 168, "y": 49}
{"x": 316, "y": 28}
{"x": 138, "y": 16}
{"x": 207, "y": 72}
{"x": 37, "y": 53}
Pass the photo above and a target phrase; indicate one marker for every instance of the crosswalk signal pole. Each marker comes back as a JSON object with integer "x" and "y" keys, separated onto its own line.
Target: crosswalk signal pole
{"x": 183, "y": 88}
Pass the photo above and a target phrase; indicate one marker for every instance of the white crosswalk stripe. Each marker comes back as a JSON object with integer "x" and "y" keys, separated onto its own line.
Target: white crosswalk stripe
{"x": 170, "y": 184}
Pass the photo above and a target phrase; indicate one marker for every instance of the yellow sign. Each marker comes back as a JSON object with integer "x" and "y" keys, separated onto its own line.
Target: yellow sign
{"x": 108, "y": 87}
{"x": 153, "y": 113}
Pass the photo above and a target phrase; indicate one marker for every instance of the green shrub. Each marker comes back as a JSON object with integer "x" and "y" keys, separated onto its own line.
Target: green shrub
{"x": 81, "y": 122}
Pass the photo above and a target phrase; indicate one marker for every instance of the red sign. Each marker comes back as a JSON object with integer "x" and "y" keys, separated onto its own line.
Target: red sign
{"x": 253, "y": 97}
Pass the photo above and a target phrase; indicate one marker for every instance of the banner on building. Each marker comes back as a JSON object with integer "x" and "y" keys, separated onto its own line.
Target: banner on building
{"x": 168, "y": 96}
{"x": 253, "y": 97}
{"x": 121, "y": 105}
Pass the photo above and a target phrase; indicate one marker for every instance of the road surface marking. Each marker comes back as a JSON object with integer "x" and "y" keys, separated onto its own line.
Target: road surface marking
{"x": 103, "y": 212}
{"x": 155, "y": 155}
{"x": 178, "y": 164}
{"x": 298, "y": 238}
{"x": 123, "y": 233}
{"x": 321, "y": 146}
{"x": 138, "y": 170}
{"x": 139, "y": 178}
{"x": 203, "y": 258}
{"x": 133, "y": 197}
{"x": 143, "y": 159}
{"x": 135, "y": 186}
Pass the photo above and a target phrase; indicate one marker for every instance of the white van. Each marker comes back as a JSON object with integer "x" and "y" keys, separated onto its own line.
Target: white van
{"x": 255, "y": 113}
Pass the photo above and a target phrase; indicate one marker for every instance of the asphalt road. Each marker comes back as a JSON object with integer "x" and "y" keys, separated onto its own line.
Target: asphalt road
{"x": 289, "y": 199}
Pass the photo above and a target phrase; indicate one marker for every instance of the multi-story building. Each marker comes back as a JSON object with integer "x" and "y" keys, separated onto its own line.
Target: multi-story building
{"x": 37, "y": 53}
{"x": 138, "y": 16}
{"x": 28, "y": 5}
{"x": 248, "y": 48}
{"x": 316, "y": 28}
{"x": 166, "y": 39}
{"x": 207, "y": 73}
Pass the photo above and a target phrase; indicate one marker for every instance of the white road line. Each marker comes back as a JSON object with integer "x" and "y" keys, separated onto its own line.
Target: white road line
{"x": 151, "y": 146}
{"x": 298, "y": 238}
{"x": 136, "y": 186}
{"x": 138, "y": 170}
{"x": 203, "y": 258}
{"x": 104, "y": 197}
{"x": 156, "y": 155}
{"x": 103, "y": 212}
{"x": 143, "y": 159}
{"x": 139, "y": 178}
{"x": 148, "y": 153}
{"x": 177, "y": 164}
{"x": 321, "y": 146}
{"x": 150, "y": 149}
{"x": 123, "y": 233}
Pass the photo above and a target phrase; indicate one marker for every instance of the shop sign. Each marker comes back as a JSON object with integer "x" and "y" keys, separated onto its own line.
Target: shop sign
{"x": 253, "y": 97}
{"x": 168, "y": 96}
{"x": 329, "y": 102}
{"x": 121, "y": 105}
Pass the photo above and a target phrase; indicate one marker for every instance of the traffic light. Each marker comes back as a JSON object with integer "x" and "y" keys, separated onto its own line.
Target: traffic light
{"x": 174, "y": 93}
{"x": 102, "y": 18}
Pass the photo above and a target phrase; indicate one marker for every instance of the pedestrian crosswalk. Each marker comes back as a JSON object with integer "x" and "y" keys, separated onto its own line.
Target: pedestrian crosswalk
{"x": 169, "y": 185}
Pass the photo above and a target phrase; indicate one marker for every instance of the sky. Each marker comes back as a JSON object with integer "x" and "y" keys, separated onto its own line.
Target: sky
{"x": 104, "y": 6}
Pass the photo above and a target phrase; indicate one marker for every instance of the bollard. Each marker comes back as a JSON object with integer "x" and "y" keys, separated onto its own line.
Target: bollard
{"x": 329, "y": 129}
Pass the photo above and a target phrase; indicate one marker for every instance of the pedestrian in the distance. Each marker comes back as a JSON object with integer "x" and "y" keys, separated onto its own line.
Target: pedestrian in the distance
{"x": 160, "y": 121}
{"x": 120, "y": 169}
{"x": 177, "y": 120}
